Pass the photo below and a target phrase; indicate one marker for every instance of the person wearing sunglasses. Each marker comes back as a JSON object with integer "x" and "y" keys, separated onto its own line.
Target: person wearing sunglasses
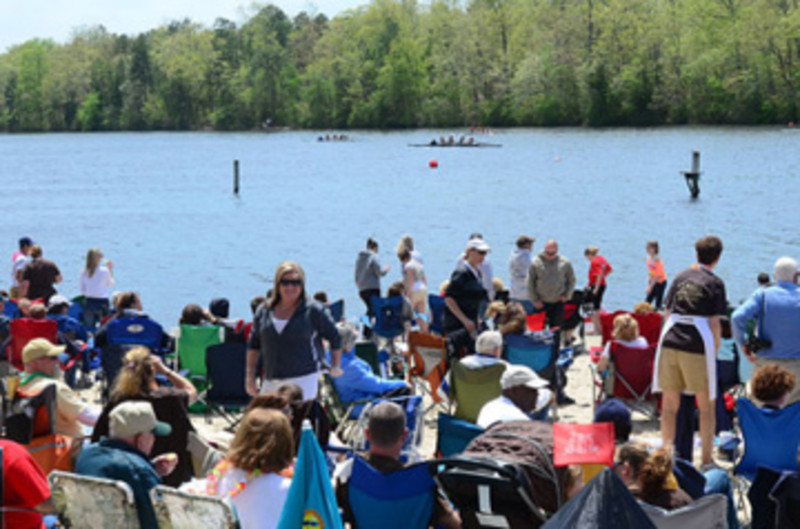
{"x": 287, "y": 334}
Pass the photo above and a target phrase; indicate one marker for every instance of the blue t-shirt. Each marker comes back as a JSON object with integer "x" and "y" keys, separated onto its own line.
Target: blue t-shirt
{"x": 114, "y": 459}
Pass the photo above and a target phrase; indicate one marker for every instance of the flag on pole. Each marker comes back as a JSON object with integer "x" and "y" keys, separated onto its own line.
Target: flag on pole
{"x": 311, "y": 503}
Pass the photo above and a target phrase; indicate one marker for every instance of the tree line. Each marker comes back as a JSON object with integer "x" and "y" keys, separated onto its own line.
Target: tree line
{"x": 397, "y": 63}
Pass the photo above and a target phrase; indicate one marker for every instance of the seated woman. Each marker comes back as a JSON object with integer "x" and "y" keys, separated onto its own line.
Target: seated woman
{"x": 255, "y": 474}
{"x": 129, "y": 305}
{"x": 649, "y": 477}
{"x": 137, "y": 381}
{"x": 357, "y": 381}
{"x": 625, "y": 333}
{"x": 771, "y": 386}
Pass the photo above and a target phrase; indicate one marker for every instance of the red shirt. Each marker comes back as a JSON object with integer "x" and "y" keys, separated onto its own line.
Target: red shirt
{"x": 24, "y": 486}
{"x": 596, "y": 267}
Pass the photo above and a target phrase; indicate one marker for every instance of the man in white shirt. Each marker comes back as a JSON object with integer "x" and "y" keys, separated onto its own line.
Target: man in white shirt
{"x": 523, "y": 392}
{"x": 18, "y": 262}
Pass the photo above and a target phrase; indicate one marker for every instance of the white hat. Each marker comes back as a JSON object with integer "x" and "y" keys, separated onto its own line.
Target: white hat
{"x": 58, "y": 299}
{"x": 517, "y": 375}
{"x": 478, "y": 244}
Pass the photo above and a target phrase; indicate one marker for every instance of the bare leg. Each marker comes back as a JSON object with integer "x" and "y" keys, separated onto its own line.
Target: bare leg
{"x": 708, "y": 420}
{"x": 670, "y": 401}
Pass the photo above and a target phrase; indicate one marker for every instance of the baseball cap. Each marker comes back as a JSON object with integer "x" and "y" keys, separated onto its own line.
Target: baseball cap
{"x": 58, "y": 299}
{"x": 135, "y": 417}
{"x": 478, "y": 244}
{"x": 25, "y": 241}
{"x": 488, "y": 341}
{"x": 615, "y": 411}
{"x": 517, "y": 375}
{"x": 522, "y": 240}
{"x": 40, "y": 348}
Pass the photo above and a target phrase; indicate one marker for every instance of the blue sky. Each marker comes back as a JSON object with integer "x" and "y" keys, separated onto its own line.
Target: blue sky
{"x": 56, "y": 19}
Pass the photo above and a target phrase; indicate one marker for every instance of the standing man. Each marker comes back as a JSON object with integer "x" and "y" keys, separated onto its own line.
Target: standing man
{"x": 39, "y": 276}
{"x": 776, "y": 312}
{"x": 551, "y": 281}
{"x": 18, "y": 262}
{"x": 518, "y": 265}
{"x": 686, "y": 358}
{"x": 369, "y": 273}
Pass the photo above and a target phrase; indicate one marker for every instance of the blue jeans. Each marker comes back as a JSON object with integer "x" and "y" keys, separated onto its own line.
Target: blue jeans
{"x": 718, "y": 481}
{"x": 94, "y": 310}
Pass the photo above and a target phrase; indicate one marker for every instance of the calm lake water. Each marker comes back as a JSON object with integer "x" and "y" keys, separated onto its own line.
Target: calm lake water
{"x": 161, "y": 205}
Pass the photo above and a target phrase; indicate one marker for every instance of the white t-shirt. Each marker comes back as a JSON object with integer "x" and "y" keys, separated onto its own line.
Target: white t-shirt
{"x": 260, "y": 504}
{"x": 98, "y": 285}
{"x": 500, "y": 409}
{"x": 18, "y": 264}
{"x": 638, "y": 343}
{"x": 279, "y": 324}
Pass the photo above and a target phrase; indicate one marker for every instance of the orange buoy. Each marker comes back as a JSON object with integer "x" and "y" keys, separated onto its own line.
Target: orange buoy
{"x": 433, "y": 164}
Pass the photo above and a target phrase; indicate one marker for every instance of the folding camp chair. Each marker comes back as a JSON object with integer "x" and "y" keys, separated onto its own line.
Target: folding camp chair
{"x": 454, "y": 435}
{"x": 436, "y": 305}
{"x": 181, "y": 510}
{"x": 539, "y": 351}
{"x": 225, "y": 366}
{"x": 786, "y": 494}
{"x": 488, "y": 492}
{"x": 339, "y": 412}
{"x": 368, "y": 352}
{"x": 83, "y": 501}
{"x": 397, "y": 500}
{"x": 336, "y": 310}
{"x": 771, "y": 437}
{"x": 389, "y": 321}
{"x": 427, "y": 353}
{"x": 632, "y": 372}
{"x": 11, "y": 309}
{"x": 22, "y": 331}
{"x": 708, "y": 512}
{"x": 472, "y": 388}
{"x": 192, "y": 344}
{"x": 649, "y": 326}
{"x": 763, "y": 509}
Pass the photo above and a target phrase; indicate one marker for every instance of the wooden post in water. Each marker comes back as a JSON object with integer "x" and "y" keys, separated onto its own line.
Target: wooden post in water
{"x": 693, "y": 176}
{"x": 236, "y": 177}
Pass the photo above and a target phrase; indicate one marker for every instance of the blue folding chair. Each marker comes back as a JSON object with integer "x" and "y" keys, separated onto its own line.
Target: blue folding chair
{"x": 454, "y": 435}
{"x": 389, "y": 321}
{"x": 436, "y": 306}
{"x": 771, "y": 437}
{"x": 226, "y": 394}
{"x": 397, "y": 500}
{"x": 336, "y": 310}
{"x": 11, "y": 310}
{"x": 539, "y": 353}
{"x": 122, "y": 335}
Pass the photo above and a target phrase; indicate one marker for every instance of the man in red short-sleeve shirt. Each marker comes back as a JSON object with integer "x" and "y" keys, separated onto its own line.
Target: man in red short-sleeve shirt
{"x": 24, "y": 487}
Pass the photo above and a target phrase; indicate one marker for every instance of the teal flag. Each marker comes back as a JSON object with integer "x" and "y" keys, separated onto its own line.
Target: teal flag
{"x": 310, "y": 503}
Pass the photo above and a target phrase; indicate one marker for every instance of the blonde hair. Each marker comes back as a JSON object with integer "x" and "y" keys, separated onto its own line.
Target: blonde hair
{"x": 93, "y": 257}
{"x": 38, "y": 311}
{"x": 643, "y": 308}
{"x": 35, "y": 251}
{"x": 137, "y": 374}
{"x": 263, "y": 441}
{"x": 626, "y": 328}
{"x": 283, "y": 269}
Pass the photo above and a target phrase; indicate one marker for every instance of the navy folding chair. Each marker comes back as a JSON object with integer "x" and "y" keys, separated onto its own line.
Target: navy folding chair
{"x": 226, "y": 364}
{"x": 136, "y": 331}
{"x": 436, "y": 305}
{"x": 691, "y": 480}
{"x": 771, "y": 437}
{"x": 389, "y": 321}
{"x": 336, "y": 310}
{"x": 454, "y": 435}
{"x": 397, "y": 500}
{"x": 786, "y": 493}
{"x": 540, "y": 353}
{"x": 762, "y": 508}
{"x": 11, "y": 310}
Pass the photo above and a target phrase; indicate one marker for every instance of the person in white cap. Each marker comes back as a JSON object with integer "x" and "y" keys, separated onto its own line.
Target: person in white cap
{"x": 466, "y": 293}
{"x": 124, "y": 455}
{"x": 523, "y": 392}
{"x": 41, "y": 370}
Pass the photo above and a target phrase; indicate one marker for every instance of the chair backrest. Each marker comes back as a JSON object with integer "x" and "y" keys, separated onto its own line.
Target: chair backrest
{"x": 22, "y": 331}
{"x": 472, "y": 388}
{"x": 336, "y": 310}
{"x": 771, "y": 437}
{"x": 633, "y": 371}
{"x": 11, "y": 309}
{"x": 427, "y": 350}
{"x": 85, "y": 501}
{"x": 453, "y": 435}
{"x": 388, "y": 312}
{"x": 182, "y": 510}
{"x": 708, "y": 512}
{"x": 607, "y": 324}
{"x": 76, "y": 309}
{"x": 650, "y": 326}
{"x": 368, "y": 352}
{"x": 763, "y": 509}
{"x": 436, "y": 306}
{"x": 786, "y": 494}
{"x": 538, "y": 354}
{"x": 397, "y": 500}
{"x": 691, "y": 480}
{"x": 225, "y": 365}
{"x": 29, "y": 416}
{"x": 139, "y": 330}
{"x": 192, "y": 344}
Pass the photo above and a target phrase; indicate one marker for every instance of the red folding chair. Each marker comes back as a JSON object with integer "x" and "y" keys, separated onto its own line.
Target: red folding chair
{"x": 650, "y": 326}
{"x": 633, "y": 377}
{"x": 22, "y": 331}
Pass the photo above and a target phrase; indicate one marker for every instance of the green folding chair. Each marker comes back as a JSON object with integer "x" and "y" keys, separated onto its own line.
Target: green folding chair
{"x": 193, "y": 341}
{"x": 472, "y": 388}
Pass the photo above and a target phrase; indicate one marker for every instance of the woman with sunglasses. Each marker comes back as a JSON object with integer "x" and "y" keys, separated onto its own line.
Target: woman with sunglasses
{"x": 287, "y": 334}
{"x": 464, "y": 296}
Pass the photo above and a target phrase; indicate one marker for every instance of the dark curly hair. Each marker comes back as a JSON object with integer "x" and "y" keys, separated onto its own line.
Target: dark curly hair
{"x": 771, "y": 382}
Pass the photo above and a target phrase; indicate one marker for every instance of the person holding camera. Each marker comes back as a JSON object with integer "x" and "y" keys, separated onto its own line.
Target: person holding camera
{"x": 775, "y": 311}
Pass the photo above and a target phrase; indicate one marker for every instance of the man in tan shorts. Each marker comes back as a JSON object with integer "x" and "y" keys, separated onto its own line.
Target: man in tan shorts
{"x": 689, "y": 341}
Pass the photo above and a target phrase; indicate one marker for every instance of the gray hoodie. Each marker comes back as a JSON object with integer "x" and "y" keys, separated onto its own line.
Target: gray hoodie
{"x": 549, "y": 280}
{"x": 518, "y": 265}
{"x": 368, "y": 271}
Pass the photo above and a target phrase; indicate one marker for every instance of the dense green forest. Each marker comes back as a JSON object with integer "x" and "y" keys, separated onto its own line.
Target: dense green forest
{"x": 397, "y": 63}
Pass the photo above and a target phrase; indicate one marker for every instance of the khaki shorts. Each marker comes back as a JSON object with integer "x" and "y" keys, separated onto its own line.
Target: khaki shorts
{"x": 682, "y": 371}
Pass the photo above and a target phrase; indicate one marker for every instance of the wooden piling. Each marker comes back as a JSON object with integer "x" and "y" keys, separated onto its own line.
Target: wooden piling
{"x": 236, "y": 177}
{"x": 693, "y": 176}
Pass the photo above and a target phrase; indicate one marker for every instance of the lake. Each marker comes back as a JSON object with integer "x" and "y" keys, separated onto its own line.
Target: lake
{"x": 161, "y": 206}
